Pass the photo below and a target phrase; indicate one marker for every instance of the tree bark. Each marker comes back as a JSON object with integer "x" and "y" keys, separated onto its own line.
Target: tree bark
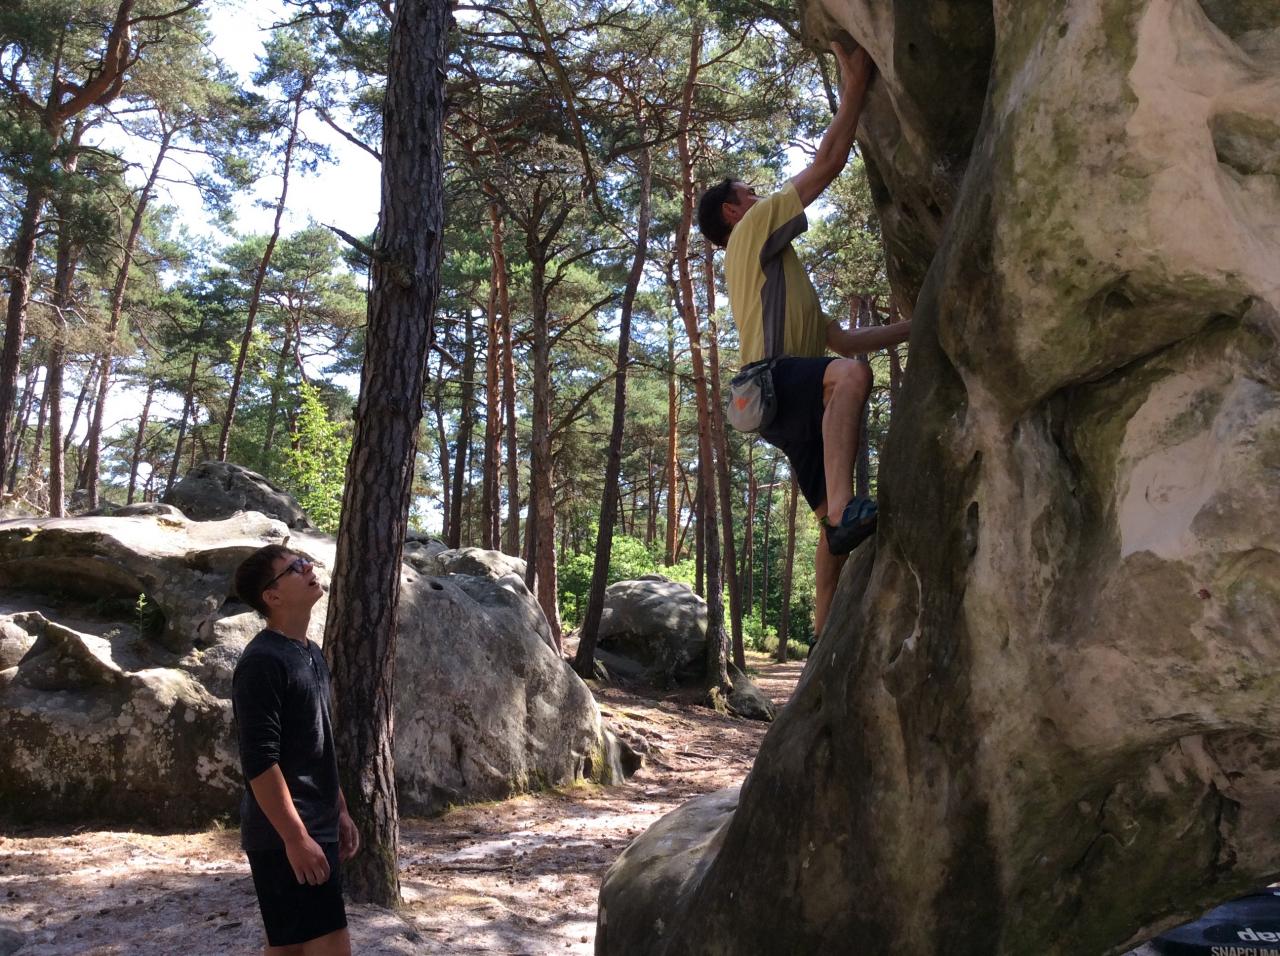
{"x": 20, "y": 423}
{"x": 784, "y": 622}
{"x": 764, "y": 574}
{"x": 673, "y": 417}
{"x": 718, "y": 686}
{"x": 490, "y": 509}
{"x": 749, "y": 532}
{"x": 466, "y": 421}
{"x": 542, "y": 529}
{"x": 91, "y": 466}
{"x": 584, "y": 661}
{"x": 287, "y": 350}
{"x": 255, "y": 297}
{"x": 86, "y": 390}
{"x": 509, "y": 417}
{"x": 24, "y": 254}
{"x": 442, "y": 455}
{"x": 720, "y": 440}
{"x": 360, "y": 633}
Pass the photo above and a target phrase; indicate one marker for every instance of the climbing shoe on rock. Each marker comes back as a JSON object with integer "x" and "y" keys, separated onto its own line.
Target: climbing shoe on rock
{"x": 856, "y": 525}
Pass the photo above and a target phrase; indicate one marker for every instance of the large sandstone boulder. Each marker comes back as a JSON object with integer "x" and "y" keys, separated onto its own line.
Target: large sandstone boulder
{"x": 118, "y": 637}
{"x": 1043, "y": 718}
{"x": 213, "y": 490}
{"x": 657, "y": 626}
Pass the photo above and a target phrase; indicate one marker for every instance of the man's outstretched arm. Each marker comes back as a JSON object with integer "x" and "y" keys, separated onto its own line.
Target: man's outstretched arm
{"x": 850, "y": 342}
{"x": 837, "y": 141}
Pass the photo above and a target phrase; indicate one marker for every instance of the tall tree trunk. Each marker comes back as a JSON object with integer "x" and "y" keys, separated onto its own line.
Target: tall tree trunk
{"x": 784, "y": 622}
{"x": 542, "y": 512}
{"x": 24, "y": 253}
{"x": 20, "y": 424}
{"x": 509, "y": 418}
{"x": 442, "y": 455}
{"x": 466, "y": 422}
{"x": 490, "y": 508}
{"x": 718, "y": 686}
{"x": 749, "y": 532}
{"x": 673, "y": 413}
{"x": 86, "y": 390}
{"x": 188, "y": 403}
{"x": 764, "y": 574}
{"x": 36, "y": 460}
{"x": 287, "y": 349}
{"x": 139, "y": 440}
{"x": 360, "y": 633}
{"x": 651, "y": 514}
{"x": 255, "y": 297}
{"x": 91, "y": 466}
{"x": 720, "y": 440}
{"x": 699, "y": 534}
{"x": 584, "y": 662}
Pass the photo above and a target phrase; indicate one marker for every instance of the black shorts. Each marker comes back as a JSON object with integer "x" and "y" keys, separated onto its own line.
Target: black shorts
{"x": 796, "y": 430}
{"x": 294, "y": 912}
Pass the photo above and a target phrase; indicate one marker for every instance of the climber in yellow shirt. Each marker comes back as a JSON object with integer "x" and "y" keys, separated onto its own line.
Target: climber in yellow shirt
{"x": 819, "y": 398}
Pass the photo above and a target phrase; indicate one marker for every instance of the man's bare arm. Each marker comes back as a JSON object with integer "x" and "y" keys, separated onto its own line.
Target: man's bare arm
{"x": 837, "y": 141}
{"x": 305, "y": 856}
{"x": 848, "y": 342}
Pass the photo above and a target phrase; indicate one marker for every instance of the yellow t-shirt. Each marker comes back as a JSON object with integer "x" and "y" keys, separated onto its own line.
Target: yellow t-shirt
{"x": 764, "y": 273}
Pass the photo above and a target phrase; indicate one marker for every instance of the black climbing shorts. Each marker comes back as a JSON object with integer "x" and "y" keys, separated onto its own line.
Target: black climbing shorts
{"x": 294, "y": 912}
{"x": 796, "y": 430}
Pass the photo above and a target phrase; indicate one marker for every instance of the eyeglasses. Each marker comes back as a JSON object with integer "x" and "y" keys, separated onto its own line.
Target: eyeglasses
{"x": 296, "y": 566}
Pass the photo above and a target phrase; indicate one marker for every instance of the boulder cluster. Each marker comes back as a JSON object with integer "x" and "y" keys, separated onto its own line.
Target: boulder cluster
{"x": 119, "y": 634}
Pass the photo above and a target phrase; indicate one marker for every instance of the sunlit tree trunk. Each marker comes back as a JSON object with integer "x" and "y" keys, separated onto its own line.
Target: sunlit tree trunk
{"x": 466, "y": 421}
{"x": 718, "y": 685}
{"x": 784, "y": 621}
{"x": 720, "y": 441}
{"x": 673, "y": 417}
{"x": 360, "y": 632}
{"x": 260, "y": 275}
{"x": 584, "y": 662}
{"x": 188, "y": 403}
{"x": 490, "y": 506}
{"x": 91, "y": 466}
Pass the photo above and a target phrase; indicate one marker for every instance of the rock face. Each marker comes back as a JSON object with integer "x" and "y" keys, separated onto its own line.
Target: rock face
{"x": 1046, "y": 718}
{"x": 213, "y": 490}
{"x": 117, "y": 642}
{"x": 658, "y": 624}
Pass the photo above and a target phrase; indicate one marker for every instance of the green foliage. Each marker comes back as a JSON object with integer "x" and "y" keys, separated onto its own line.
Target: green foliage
{"x": 315, "y": 464}
{"x": 628, "y": 559}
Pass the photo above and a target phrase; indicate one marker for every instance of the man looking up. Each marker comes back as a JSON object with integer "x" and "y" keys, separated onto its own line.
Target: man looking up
{"x": 819, "y": 398}
{"x": 294, "y": 825}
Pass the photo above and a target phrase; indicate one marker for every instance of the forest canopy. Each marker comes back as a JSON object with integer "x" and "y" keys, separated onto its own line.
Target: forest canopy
{"x": 171, "y": 300}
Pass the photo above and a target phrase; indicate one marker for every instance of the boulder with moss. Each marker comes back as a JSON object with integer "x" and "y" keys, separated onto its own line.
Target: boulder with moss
{"x": 118, "y": 637}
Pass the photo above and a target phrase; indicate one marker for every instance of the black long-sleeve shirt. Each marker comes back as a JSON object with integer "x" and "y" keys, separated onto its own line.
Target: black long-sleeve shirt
{"x": 280, "y": 693}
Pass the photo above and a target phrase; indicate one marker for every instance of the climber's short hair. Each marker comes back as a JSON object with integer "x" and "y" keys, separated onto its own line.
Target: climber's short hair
{"x": 255, "y": 573}
{"x": 711, "y": 214}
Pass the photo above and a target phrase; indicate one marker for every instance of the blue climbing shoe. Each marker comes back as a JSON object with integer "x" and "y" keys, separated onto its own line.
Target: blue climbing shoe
{"x": 856, "y": 525}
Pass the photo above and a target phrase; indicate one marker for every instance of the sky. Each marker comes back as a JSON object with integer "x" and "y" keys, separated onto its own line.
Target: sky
{"x": 344, "y": 193}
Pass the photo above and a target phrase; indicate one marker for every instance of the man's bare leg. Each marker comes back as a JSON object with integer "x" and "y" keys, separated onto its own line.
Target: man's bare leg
{"x": 845, "y": 386}
{"x": 337, "y": 943}
{"x": 826, "y": 573}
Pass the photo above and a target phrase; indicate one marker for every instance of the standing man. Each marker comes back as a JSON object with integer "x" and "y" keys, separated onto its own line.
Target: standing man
{"x": 294, "y": 825}
{"x": 819, "y": 399}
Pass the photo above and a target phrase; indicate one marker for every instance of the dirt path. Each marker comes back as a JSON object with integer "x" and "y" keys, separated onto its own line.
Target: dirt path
{"x": 519, "y": 876}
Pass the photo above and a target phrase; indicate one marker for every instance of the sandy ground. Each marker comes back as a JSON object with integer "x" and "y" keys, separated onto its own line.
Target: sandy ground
{"x": 519, "y": 876}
